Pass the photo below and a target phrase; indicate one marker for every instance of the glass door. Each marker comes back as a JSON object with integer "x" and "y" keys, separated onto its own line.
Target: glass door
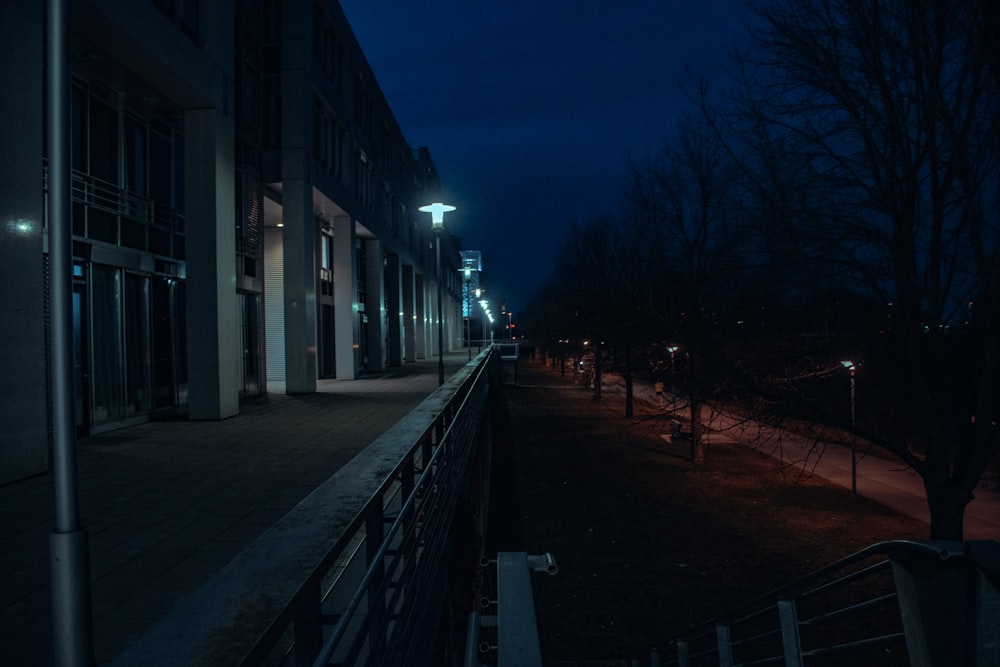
{"x": 120, "y": 381}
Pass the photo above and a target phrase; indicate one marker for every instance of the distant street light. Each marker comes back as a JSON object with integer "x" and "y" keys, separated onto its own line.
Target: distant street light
{"x": 673, "y": 382}
{"x": 482, "y": 320}
{"x": 510, "y": 326}
{"x": 437, "y": 211}
{"x": 467, "y": 307}
{"x": 849, "y": 365}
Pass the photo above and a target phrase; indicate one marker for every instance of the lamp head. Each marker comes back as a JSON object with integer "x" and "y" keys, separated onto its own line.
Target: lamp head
{"x": 437, "y": 211}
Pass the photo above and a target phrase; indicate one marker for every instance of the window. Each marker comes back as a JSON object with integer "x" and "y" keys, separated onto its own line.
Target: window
{"x": 328, "y": 140}
{"x": 188, "y": 15}
{"x": 327, "y": 50}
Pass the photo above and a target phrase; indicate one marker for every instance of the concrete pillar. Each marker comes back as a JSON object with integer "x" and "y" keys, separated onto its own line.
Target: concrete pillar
{"x": 296, "y": 199}
{"x": 23, "y": 447}
{"x": 300, "y": 273}
{"x": 375, "y": 306}
{"x": 345, "y": 305}
{"x": 212, "y": 321}
{"x": 409, "y": 315}
{"x": 394, "y": 309}
{"x": 420, "y": 313}
{"x": 431, "y": 328}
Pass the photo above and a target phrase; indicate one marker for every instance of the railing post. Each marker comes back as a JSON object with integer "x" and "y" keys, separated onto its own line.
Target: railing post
{"x": 374, "y": 535}
{"x": 683, "y": 653}
{"x": 985, "y": 556}
{"x": 308, "y": 629}
{"x": 933, "y": 597}
{"x": 790, "y": 640}
{"x": 724, "y": 642}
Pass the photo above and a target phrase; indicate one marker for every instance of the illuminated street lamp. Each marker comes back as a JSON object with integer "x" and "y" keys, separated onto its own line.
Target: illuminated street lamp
{"x": 437, "y": 211}
{"x": 467, "y": 307}
{"x": 849, "y": 365}
{"x": 673, "y": 382}
{"x": 482, "y": 320}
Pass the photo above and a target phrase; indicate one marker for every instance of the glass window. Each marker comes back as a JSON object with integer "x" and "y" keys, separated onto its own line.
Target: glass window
{"x": 103, "y": 141}
{"x": 136, "y": 157}
{"x": 106, "y": 296}
{"x": 137, "y": 366}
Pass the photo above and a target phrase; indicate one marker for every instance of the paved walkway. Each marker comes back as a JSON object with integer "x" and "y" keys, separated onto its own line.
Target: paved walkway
{"x": 168, "y": 503}
{"x": 886, "y": 481}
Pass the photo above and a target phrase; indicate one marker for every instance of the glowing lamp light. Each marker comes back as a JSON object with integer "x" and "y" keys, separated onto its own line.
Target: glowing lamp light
{"x": 437, "y": 211}
{"x": 847, "y": 364}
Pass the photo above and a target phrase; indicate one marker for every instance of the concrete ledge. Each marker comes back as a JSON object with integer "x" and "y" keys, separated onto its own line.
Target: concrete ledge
{"x": 223, "y": 621}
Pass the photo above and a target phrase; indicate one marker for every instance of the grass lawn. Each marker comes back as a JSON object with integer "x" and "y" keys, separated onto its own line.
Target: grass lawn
{"x": 647, "y": 542}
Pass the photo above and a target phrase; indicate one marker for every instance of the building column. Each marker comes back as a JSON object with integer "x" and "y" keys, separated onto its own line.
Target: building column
{"x": 430, "y": 322}
{"x": 419, "y": 316}
{"x": 345, "y": 290}
{"x": 409, "y": 315}
{"x": 212, "y": 320}
{"x": 24, "y": 445}
{"x": 299, "y": 269}
{"x": 296, "y": 199}
{"x": 394, "y": 309}
{"x": 375, "y": 305}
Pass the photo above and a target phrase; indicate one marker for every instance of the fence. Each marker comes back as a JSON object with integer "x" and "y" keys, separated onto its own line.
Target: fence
{"x": 895, "y": 603}
{"x": 354, "y": 574}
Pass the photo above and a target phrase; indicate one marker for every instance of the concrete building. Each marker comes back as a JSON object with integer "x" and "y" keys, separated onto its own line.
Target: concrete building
{"x": 244, "y": 212}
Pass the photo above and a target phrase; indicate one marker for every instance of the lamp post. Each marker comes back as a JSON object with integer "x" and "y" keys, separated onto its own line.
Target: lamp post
{"x": 482, "y": 320}
{"x": 849, "y": 365}
{"x": 510, "y": 329}
{"x": 467, "y": 307}
{"x": 673, "y": 383}
{"x": 437, "y": 211}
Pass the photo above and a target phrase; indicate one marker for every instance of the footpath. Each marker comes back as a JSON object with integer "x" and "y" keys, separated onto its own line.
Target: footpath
{"x": 886, "y": 481}
{"x": 168, "y": 503}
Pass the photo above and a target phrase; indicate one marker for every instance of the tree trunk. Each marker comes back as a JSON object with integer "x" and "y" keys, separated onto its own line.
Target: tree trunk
{"x": 627, "y": 374}
{"x": 697, "y": 429}
{"x": 947, "y": 501}
{"x": 597, "y": 372}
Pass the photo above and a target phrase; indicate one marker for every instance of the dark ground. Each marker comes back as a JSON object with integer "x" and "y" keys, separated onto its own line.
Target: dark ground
{"x": 647, "y": 542}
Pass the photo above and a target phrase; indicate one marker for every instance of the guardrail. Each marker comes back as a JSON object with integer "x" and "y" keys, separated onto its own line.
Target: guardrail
{"x": 355, "y": 573}
{"x": 925, "y": 604}
{"x": 504, "y": 632}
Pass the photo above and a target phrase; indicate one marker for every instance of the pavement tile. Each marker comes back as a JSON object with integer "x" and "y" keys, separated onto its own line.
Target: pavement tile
{"x": 168, "y": 503}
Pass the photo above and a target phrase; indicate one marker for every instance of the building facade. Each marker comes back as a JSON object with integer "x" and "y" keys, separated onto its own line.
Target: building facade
{"x": 244, "y": 214}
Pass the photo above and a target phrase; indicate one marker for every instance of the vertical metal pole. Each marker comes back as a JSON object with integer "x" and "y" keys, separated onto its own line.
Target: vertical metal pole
{"x": 854, "y": 442}
{"x": 725, "y": 645}
{"x": 790, "y": 640}
{"x": 437, "y": 251}
{"x": 72, "y": 626}
{"x": 468, "y": 316}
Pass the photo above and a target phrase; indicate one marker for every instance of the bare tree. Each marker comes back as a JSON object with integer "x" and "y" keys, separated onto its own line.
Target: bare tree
{"x": 893, "y": 104}
{"x": 690, "y": 244}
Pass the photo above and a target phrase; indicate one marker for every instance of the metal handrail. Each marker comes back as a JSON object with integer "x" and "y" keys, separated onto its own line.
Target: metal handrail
{"x": 715, "y": 637}
{"x": 343, "y": 575}
{"x": 430, "y": 481}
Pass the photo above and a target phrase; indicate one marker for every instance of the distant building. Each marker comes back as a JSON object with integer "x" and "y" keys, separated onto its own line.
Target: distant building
{"x": 472, "y": 266}
{"x": 244, "y": 212}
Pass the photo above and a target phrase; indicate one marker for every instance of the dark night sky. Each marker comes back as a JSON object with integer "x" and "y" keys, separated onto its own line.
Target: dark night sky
{"x": 530, "y": 108}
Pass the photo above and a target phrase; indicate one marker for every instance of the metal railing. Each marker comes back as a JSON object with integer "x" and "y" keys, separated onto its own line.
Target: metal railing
{"x": 353, "y": 574}
{"x": 893, "y": 603}
{"x": 504, "y": 631}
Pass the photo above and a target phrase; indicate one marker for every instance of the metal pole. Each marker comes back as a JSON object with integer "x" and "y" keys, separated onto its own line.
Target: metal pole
{"x": 437, "y": 251}
{"x": 468, "y": 316}
{"x": 854, "y": 442}
{"x": 72, "y": 624}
